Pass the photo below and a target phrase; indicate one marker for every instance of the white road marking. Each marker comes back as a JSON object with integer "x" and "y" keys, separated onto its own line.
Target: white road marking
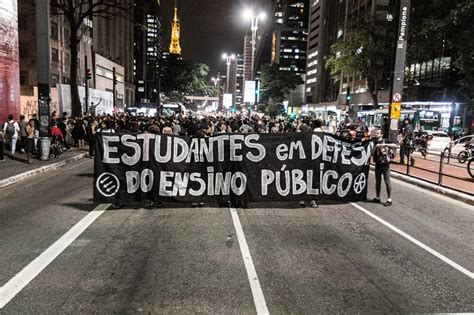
{"x": 34, "y": 268}
{"x": 434, "y": 194}
{"x": 416, "y": 242}
{"x": 258, "y": 297}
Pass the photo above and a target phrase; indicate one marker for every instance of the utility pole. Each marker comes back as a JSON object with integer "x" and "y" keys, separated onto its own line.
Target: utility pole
{"x": 396, "y": 89}
{"x": 86, "y": 79}
{"x": 43, "y": 63}
{"x": 114, "y": 87}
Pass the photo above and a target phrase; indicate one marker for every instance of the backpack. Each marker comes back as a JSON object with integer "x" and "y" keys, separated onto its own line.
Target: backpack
{"x": 386, "y": 155}
{"x": 10, "y": 129}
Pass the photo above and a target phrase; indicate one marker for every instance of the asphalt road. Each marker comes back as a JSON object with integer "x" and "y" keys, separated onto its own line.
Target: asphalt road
{"x": 338, "y": 258}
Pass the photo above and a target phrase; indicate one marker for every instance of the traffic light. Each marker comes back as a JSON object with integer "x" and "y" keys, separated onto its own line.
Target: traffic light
{"x": 348, "y": 96}
{"x": 88, "y": 74}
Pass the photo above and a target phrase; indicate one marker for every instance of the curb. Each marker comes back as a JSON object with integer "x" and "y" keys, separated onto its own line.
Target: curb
{"x": 463, "y": 197}
{"x": 17, "y": 178}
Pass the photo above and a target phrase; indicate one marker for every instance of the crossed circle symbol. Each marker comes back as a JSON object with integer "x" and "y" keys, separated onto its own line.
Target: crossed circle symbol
{"x": 397, "y": 97}
{"x": 359, "y": 183}
{"x": 107, "y": 184}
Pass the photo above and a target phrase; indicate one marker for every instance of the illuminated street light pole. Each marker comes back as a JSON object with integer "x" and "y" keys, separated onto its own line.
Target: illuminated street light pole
{"x": 228, "y": 59}
{"x": 254, "y": 28}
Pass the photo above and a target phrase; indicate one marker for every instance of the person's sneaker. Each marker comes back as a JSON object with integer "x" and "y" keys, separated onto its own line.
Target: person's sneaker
{"x": 67, "y": 150}
{"x": 375, "y": 200}
{"x": 116, "y": 206}
{"x": 148, "y": 205}
{"x": 302, "y": 204}
{"x": 22, "y": 150}
{"x": 387, "y": 204}
{"x": 314, "y": 204}
{"x": 2, "y": 160}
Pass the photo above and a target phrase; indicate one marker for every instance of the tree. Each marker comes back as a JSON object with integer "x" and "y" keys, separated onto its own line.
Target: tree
{"x": 277, "y": 84}
{"x": 76, "y": 12}
{"x": 445, "y": 29}
{"x": 181, "y": 78}
{"x": 461, "y": 30}
{"x": 274, "y": 110}
{"x": 364, "y": 51}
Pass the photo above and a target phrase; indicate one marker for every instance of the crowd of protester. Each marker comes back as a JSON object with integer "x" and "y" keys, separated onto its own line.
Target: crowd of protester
{"x": 22, "y": 135}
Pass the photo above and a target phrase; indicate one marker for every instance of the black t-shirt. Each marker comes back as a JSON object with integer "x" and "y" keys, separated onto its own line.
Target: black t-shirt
{"x": 384, "y": 154}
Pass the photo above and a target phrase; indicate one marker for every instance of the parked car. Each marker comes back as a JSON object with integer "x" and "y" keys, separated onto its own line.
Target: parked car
{"x": 438, "y": 140}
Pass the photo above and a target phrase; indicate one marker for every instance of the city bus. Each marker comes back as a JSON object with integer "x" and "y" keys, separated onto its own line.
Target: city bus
{"x": 421, "y": 119}
{"x": 374, "y": 118}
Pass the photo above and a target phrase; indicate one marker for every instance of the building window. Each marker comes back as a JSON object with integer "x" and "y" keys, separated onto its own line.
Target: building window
{"x": 54, "y": 79}
{"x": 54, "y": 30}
{"x": 54, "y": 55}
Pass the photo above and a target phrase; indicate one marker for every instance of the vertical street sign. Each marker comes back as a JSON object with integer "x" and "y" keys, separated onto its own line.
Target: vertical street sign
{"x": 227, "y": 100}
{"x": 249, "y": 92}
{"x": 43, "y": 62}
{"x": 399, "y": 69}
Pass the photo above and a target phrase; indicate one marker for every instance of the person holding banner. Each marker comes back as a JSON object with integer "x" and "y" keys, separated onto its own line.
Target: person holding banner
{"x": 383, "y": 155}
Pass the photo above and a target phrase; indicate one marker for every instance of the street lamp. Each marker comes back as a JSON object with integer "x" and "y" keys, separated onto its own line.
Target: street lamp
{"x": 215, "y": 81}
{"x": 254, "y": 18}
{"x": 228, "y": 59}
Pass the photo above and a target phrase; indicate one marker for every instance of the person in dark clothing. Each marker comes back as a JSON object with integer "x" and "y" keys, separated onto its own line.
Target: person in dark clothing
{"x": 63, "y": 126}
{"x": 91, "y": 131}
{"x": 406, "y": 135}
{"x": 80, "y": 133}
{"x": 382, "y": 167}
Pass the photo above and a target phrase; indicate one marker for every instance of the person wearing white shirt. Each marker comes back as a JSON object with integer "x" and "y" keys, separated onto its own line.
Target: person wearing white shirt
{"x": 11, "y": 130}
{"x": 331, "y": 125}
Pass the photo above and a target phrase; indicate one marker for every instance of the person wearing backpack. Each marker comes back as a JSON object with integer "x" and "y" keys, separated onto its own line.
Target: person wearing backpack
{"x": 11, "y": 130}
{"x": 383, "y": 155}
{"x": 2, "y": 144}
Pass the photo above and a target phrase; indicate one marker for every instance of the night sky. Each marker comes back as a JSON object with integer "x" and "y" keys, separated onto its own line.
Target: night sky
{"x": 209, "y": 28}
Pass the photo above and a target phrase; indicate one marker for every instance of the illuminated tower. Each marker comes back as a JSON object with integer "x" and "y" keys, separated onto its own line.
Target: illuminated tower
{"x": 175, "y": 48}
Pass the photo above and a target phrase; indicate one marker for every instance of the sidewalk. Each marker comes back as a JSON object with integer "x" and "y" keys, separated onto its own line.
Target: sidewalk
{"x": 13, "y": 170}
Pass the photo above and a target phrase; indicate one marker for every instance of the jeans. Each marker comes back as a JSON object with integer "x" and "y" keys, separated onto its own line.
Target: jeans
{"x": 2, "y": 152}
{"x": 382, "y": 169}
{"x": 13, "y": 145}
{"x": 404, "y": 150}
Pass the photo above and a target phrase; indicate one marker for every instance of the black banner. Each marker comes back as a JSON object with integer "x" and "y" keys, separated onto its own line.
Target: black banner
{"x": 230, "y": 167}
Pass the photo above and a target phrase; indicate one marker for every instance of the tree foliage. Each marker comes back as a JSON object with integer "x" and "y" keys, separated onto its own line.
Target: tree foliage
{"x": 181, "y": 78}
{"x": 277, "y": 84}
{"x": 363, "y": 51}
{"x": 75, "y": 13}
{"x": 445, "y": 28}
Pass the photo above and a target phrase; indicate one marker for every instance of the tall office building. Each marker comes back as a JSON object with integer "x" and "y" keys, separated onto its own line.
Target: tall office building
{"x": 239, "y": 79}
{"x": 289, "y": 39}
{"x": 113, "y": 40}
{"x": 148, "y": 47}
{"x": 328, "y": 20}
{"x": 247, "y": 56}
{"x": 324, "y": 20}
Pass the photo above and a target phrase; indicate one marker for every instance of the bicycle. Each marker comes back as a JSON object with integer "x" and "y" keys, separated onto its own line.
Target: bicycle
{"x": 470, "y": 167}
{"x": 464, "y": 155}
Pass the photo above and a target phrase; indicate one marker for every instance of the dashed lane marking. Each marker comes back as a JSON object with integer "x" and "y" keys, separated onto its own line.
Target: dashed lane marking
{"x": 34, "y": 268}
{"x": 416, "y": 242}
{"x": 258, "y": 297}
